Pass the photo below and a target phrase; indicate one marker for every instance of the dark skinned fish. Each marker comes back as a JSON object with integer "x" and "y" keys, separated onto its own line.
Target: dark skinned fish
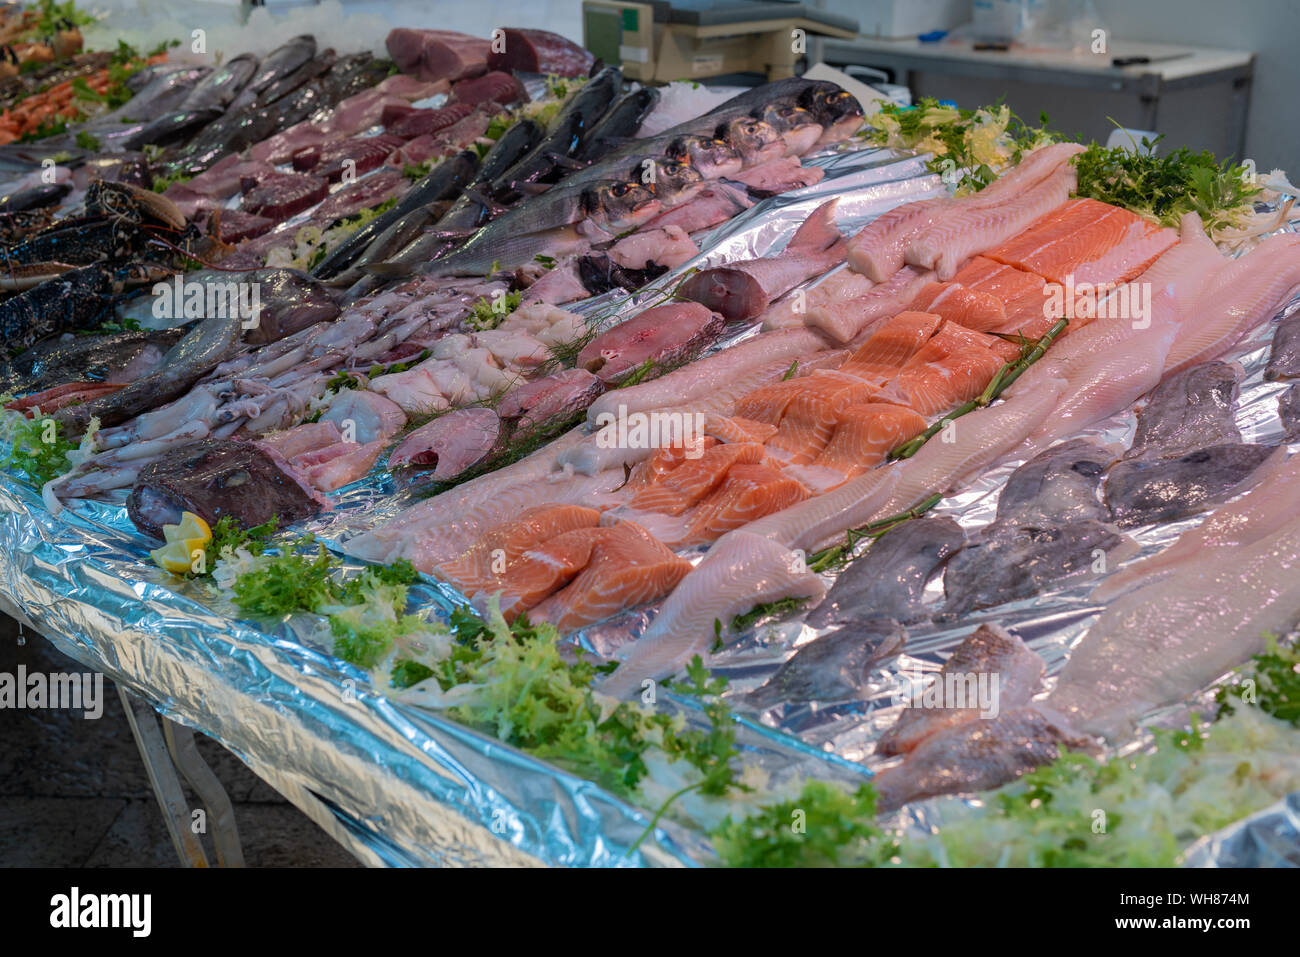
{"x": 1189, "y": 410}
{"x": 472, "y": 209}
{"x": 223, "y": 84}
{"x": 198, "y": 353}
{"x": 834, "y": 667}
{"x": 562, "y": 221}
{"x": 1288, "y": 409}
{"x": 889, "y": 580}
{"x": 35, "y": 197}
{"x": 172, "y": 128}
{"x": 86, "y": 359}
{"x": 1142, "y": 491}
{"x": 445, "y": 180}
{"x": 1284, "y": 360}
{"x": 563, "y": 137}
{"x": 282, "y": 61}
{"x": 1057, "y": 486}
{"x": 622, "y": 120}
{"x": 1010, "y": 562}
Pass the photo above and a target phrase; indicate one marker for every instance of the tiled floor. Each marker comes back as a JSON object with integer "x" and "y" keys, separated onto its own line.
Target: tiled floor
{"x": 74, "y": 793}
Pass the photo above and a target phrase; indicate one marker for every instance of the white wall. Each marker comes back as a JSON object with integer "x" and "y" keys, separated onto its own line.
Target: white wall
{"x": 1270, "y": 28}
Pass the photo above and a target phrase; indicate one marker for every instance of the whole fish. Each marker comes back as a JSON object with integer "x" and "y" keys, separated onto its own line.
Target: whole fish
{"x": 1010, "y": 562}
{"x": 563, "y": 220}
{"x": 198, "y": 353}
{"x": 1273, "y": 502}
{"x": 281, "y": 62}
{"x": 620, "y": 121}
{"x": 35, "y": 197}
{"x": 889, "y": 580}
{"x": 219, "y": 477}
{"x": 114, "y": 358}
{"x": 953, "y": 699}
{"x": 833, "y": 667}
{"x": 1143, "y": 491}
{"x": 1189, "y": 410}
{"x": 316, "y": 67}
{"x": 564, "y": 135}
{"x": 976, "y": 756}
{"x": 172, "y": 128}
{"x": 445, "y": 180}
{"x": 1057, "y": 486}
{"x": 467, "y": 213}
{"x": 220, "y": 87}
{"x": 1288, "y": 409}
{"x": 1284, "y": 359}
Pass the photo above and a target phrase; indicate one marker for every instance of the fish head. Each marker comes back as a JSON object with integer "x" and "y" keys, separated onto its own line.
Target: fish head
{"x": 798, "y": 127}
{"x": 756, "y": 140}
{"x": 713, "y": 156}
{"x": 676, "y": 178}
{"x": 839, "y": 113}
{"x": 620, "y": 205}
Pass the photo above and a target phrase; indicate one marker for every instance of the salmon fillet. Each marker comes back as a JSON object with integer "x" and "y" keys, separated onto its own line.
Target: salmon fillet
{"x": 894, "y": 342}
{"x": 650, "y": 471}
{"x": 695, "y": 478}
{"x": 955, "y": 365}
{"x": 737, "y": 428}
{"x": 749, "y": 493}
{"x": 1092, "y": 241}
{"x": 628, "y": 567}
{"x": 973, "y": 308}
{"x": 483, "y": 563}
{"x": 540, "y": 571}
{"x": 811, "y": 414}
{"x": 864, "y": 435}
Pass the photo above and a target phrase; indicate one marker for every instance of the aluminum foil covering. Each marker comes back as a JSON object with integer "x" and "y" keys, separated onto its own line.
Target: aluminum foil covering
{"x": 401, "y": 786}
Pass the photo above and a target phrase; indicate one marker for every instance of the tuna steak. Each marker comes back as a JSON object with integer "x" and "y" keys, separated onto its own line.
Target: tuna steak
{"x": 665, "y": 334}
{"x": 540, "y": 51}
{"x": 285, "y": 194}
{"x": 497, "y": 88}
{"x": 437, "y": 54}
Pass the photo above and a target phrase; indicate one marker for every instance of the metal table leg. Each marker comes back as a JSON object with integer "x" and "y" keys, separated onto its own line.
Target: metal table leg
{"x": 159, "y": 748}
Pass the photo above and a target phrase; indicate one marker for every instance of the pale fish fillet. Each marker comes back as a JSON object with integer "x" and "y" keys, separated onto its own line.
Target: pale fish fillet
{"x": 704, "y": 377}
{"x": 433, "y": 512}
{"x": 878, "y": 250}
{"x": 1156, "y": 646}
{"x": 732, "y": 579}
{"x": 975, "y": 756}
{"x": 986, "y": 654}
{"x": 844, "y": 319}
{"x": 971, "y": 230}
{"x": 1104, "y": 383}
{"x": 1176, "y": 279}
{"x": 1242, "y": 295}
{"x": 1273, "y": 502}
{"x": 792, "y": 310}
{"x": 978, "y": 439}
{"x": 425, "y": 545}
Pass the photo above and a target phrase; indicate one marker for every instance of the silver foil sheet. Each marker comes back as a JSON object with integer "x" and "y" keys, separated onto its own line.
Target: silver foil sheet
{"x": 400, "y": 785}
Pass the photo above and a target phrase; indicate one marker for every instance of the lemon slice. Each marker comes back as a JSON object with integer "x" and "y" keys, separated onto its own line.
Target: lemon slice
{"x": 177, "y": 556}
{"x": 191, "y": 527}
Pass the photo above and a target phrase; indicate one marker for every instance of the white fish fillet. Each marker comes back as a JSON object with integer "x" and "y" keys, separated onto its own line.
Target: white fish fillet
{"x": 703, "y": 377}
{"x": 971, "y": 230}
{"x": 1103, "y": 383}
{"x": 1157, "y": 645}
{"x": 844, "y": 319}
{"x": 731, "y": 580}
{"x": 1242, "y": 295}
{"x": 1273, "y": 502}
{"x": 878, "y": 250}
